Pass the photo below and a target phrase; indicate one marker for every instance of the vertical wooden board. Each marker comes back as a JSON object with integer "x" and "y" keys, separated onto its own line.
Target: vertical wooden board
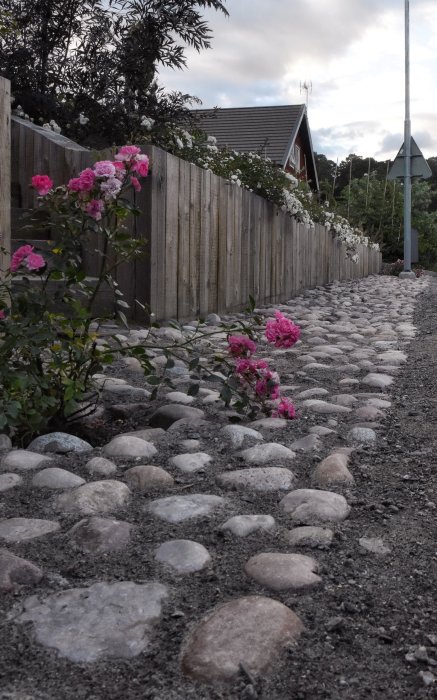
{"x": 230, "y": 245}
{"x": 223, "y": 276}
{"x": 265, "y": 233}
{"x": 273, "y": 245}
{"x": 282, "y": 290}
{"x": 171, "y": 238}
{"x": 245, "y": 248}
{"x": 236, "y": 300}
{"x": 255, "y": 289}
{"x": 213, "y": 252}
{"x": 158, "y": 184}
{"x": 184, "y": 241}
{"x": 194, "y": 273}
{"x": 5, "y": 172}
{"x": 288, "y": 258}
{"x": 205, "y": 242}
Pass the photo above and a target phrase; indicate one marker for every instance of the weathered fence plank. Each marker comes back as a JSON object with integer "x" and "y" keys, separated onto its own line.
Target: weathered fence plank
{"x": 5, "y": 171}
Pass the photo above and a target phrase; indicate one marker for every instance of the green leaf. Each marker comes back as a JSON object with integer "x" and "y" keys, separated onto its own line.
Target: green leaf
{"x": 193, "y": 389}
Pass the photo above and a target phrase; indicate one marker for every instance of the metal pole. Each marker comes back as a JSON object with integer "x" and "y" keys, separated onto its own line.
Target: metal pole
{"x": 407, "y": 147}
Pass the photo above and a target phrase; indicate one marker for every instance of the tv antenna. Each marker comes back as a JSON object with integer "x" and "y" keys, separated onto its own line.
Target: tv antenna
{"x": 306, "y": 87}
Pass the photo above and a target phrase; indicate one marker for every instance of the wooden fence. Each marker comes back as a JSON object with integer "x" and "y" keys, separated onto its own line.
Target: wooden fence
{"x": 210, "y": 244}
{"x": 5, "y": 170}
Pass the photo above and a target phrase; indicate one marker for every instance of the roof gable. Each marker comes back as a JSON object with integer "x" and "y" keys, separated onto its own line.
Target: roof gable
{"x": 270, "y": 131}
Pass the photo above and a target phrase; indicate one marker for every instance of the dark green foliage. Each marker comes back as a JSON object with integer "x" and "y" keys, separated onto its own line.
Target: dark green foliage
{"x": 98, "y": 59}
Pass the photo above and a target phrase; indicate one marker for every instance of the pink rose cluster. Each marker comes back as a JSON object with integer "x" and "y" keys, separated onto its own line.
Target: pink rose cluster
{"x": 282, "y": 332}
{"x": 42, "y": 184}
{"x": 96, "y": 187}
{"x": 255, "y": 376}
{"x": 25, "y": 256}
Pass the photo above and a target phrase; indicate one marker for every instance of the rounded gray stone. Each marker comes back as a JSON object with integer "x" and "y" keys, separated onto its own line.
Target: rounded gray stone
{"x": 243, "y": 525}
{"x": 23, "y": 460}
{"x": 101, "y": 466}
{"x": 307, "y": 443}
{"x": 310, "y": 536}
{"x": 237, "y": 435}
{"x": 177, "y": 509}
{"x": 99, "y": 535}
{"x": 375, "y": 545}
{"x": 55, "y": 478}
{"x": 179, "y": 397}
{"x": 17, "y": 571}
{"x": 94, "y": 498}
{"x": 248, "y": 632}
{"x": 267, "y": 452}
{"x": 183, "y": 556}
{"x": 381, "y": 381}
{"x": 21, "y": 529}
{"x": 263, "y": 479}
{"x": 146, "y": 477}
{"x": 191, "y": 462}
{"x": 333, "y": 470}
{"x": 59, "y": 442}
{"x": 9, "y": 481}
{"x": 362, "y": 435}
{"x": 129, "y": 446}
{"x": 105, "y": 620}
{"x": 166, "y": 415}
{"x": 282, "y": 571}
{"x": 312, "y": 506}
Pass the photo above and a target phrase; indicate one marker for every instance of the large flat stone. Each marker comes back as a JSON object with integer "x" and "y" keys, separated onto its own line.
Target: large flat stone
{"x": 192, "y": 462}
{"x": 21, "y": 529}
{"x": 282, "y": 571}
{"x": 55, "y": 478}
{"x": 267, "y": 452}
{"x": 262, "y": 479}
{"x": 249, "y": 632}
{"x": 100, "y": 535}
{"x": 94, "y": 498}
{"x": 59, "y": 442}
{"x": 312, "y": 506}
{"x": 166, "y": 415}
{"x": 146, "y": 477}
{"x": 333, "y": 470}
{"x": 16, "y": 571}
{"x": 129, "y": 446}
{"x": 237, "y": 435}
{"x": 177, "y": 509}
{"x": 183, "y": 556}
{"x": 243, "y": 525}
{"x": 105, "y": 620}
{"x": 23, "y": 460}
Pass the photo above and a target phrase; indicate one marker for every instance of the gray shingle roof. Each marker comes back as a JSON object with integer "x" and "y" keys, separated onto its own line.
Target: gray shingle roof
{"x": 270, "y": 130}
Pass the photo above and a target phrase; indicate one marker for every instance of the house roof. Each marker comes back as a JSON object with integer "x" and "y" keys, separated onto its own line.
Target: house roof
{"x": 271, "y": 131}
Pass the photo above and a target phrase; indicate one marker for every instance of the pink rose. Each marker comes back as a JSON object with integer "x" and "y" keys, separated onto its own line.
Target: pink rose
{"x": 241, "y": 346}
{"x": 2, "y": 315}
{"x": 34, "y": 261}
{"x": 282, "y": 332}
{"x": 285, "y": 409}
{"x": 141, "y": 165}
{"x": 74, "y": 185}
{"x": 87, "y": 178}
{"x": 135, "y": 183}
{"x": 127, "y": 153}
{"x": 118, "y": 165}
{"x": 95, "y": 208}
{"x": 104, "y": 168}
{"x": 42, "y": 184}
{"x": 19, "y": 255}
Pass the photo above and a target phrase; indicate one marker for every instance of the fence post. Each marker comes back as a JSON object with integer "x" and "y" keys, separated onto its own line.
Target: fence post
{"x": 5, "y": 171}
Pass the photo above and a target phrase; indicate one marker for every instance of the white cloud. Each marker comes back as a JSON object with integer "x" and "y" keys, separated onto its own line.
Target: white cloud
{"x": 351, "y": 50}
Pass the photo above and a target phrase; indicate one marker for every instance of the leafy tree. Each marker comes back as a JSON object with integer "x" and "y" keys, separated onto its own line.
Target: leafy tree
{"x": 91, "y": 66}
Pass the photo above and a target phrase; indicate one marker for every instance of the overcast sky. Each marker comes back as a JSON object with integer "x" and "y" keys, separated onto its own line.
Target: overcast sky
{"x": 352, "y": 51}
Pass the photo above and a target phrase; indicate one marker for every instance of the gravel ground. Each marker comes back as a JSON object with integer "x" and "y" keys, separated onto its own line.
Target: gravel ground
{"x": 370, "y": 627}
